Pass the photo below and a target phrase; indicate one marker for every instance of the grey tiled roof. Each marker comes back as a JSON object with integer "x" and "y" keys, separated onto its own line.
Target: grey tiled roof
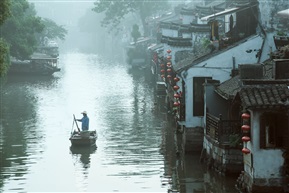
{"x": 265, "y": 96}
{"x": 229, "y": 88}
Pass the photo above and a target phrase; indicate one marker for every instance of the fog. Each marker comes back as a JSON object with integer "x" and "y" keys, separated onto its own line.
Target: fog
{"x": 85, "y": 33}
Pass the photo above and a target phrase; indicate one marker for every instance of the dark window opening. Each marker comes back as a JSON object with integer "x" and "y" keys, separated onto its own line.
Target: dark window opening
{"x": 198, "y": 93}
{"x": 273, "y": 130}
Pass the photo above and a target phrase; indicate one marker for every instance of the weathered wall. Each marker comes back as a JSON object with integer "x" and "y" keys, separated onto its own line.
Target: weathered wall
{"x": 223, "y": 158}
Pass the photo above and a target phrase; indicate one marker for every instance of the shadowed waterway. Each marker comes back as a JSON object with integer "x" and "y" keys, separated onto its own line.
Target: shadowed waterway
{"x": 135, "y": 150}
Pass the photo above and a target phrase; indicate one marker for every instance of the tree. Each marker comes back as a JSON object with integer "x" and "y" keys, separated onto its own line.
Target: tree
{"x": 135, "y": 34}
{"x": 20, "y": 30}
{"x": 4, "y": 50}
{"x": 115, "y": 11}
{"x": 4, "y": 10}
{"x": 4, "y": 57}
{"x": 52, "y": 30}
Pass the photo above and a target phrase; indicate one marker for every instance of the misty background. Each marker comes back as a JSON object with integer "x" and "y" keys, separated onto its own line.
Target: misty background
{"x": 85, "y": 33}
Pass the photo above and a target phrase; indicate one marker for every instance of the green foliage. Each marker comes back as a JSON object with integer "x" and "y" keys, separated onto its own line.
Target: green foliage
{"x": 115, "y": 11}
{"x": 205, "y": 42}
{"x": 135, "y": 34}
{"x": 4, "y": 10}
{"x": 52, "y": 30}
{"x": 21, "y": 28}
{"x": 4, "y": 58}
{"x": 235, "y": 140}
{"x": 4, "y": 50}
{"x": 281, "y": 33}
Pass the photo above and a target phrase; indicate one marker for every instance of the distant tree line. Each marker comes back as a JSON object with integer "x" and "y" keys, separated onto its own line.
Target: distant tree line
{"x": 116, "y": 11}
{"x": 22, "y": 31}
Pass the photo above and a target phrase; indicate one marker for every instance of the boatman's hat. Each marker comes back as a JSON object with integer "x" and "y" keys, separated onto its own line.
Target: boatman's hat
{"x": 84, "y": 112}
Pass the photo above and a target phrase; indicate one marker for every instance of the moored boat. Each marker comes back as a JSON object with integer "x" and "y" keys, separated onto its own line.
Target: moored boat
{"x": 38, "y": 64}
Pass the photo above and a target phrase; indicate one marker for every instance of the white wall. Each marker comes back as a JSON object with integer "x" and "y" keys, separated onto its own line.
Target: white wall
{"x": 219, "y": 68}
{"x": 187, "y": 19}
{"x": 169, "y": 32}
{"x": 266, "y": 162}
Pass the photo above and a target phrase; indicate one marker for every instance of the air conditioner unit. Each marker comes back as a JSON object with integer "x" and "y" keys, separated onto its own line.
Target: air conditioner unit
{"x": 251, "y": 71}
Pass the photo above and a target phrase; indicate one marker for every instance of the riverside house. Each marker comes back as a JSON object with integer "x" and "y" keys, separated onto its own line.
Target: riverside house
{"x": 231, "y": 39}
{"x": 254, "y": 112}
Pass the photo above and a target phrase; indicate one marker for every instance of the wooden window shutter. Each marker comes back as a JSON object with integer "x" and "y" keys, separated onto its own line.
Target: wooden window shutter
{"x": 262, "y": 132}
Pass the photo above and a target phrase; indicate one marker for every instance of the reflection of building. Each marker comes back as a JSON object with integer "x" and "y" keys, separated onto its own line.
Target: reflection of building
{"x": 137, "y": 55}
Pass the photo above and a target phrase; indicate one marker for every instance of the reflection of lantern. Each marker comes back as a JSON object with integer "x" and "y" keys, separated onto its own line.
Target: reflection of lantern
{"x": 169, "y": 51}
{"x": 162, "y": 75}
{"x": 176, "y": 95}
{"x": 162, "y": 65}
{"x": 176, "y": 104}
{"x": 162, "y": 71}
{"x": 176, "y": 79}
{"x": 169, "y": 76}
{"x": 246, "y": 150}
{"x": 169, "y": 64}
{"x": 246, "y": 139}
{"x": 176, "y": 87}
{"x": 169, "y": 70}
{"x": 169, "y": 57}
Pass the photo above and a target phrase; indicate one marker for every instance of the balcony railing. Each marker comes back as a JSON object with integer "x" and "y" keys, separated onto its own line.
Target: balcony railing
{"x": 223, "y": 131}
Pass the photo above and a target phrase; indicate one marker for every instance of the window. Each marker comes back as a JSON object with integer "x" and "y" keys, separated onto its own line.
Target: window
{"x": 198, "y": 93}
{"x": 274, "y": 130}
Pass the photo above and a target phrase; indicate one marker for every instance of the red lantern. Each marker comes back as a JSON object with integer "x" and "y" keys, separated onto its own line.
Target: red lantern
{"x": 246, "y": 139}
{"x": 169, "y": 76}
{"x": 162, "y": 75}
{"x": 169, "y": 57}
{"x": 246, "y": 151}
{"x": 176, "y": 95}
{"x": 176, "y": 79}
{"x": 162, "y": 71}
{"x": 169, "y": 51}
{"x": 169, "y": 70}
{"x": 162, "y": 65}
{"x": 245, "y": 116}
{"x": 176, "y": 87}
{"x": 246, "y": 128}
{"x": 176, "y": 104}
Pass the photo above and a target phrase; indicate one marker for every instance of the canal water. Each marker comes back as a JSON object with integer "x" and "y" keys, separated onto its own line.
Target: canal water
{"x": 135, "y": 148}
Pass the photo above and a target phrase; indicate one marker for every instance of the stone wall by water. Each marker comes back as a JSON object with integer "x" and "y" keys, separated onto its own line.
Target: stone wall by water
{"x": 222, "y": 158}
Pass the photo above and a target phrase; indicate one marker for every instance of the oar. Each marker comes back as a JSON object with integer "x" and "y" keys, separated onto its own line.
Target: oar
{"x": 72, "y": 127}
{"x": 76, "y": 123}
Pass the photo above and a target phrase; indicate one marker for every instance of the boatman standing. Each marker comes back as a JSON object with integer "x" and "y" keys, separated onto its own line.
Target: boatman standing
{"x": 84, "y": 121}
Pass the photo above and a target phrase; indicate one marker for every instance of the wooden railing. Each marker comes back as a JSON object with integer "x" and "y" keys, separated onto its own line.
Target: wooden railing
{"x": 222, "y": 131}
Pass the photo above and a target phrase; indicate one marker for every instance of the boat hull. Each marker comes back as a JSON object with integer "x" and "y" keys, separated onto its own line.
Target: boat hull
{"x": 83, "y": 139}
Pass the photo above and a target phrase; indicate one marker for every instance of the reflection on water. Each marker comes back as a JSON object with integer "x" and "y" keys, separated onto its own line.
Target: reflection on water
{"x": 135, "y": 147}
{"x": 81, "y": 161}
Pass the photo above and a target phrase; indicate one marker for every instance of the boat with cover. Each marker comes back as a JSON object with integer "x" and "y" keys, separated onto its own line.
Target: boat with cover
{"x": 82, "y": 138}
{"x": 38, "y": 64}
